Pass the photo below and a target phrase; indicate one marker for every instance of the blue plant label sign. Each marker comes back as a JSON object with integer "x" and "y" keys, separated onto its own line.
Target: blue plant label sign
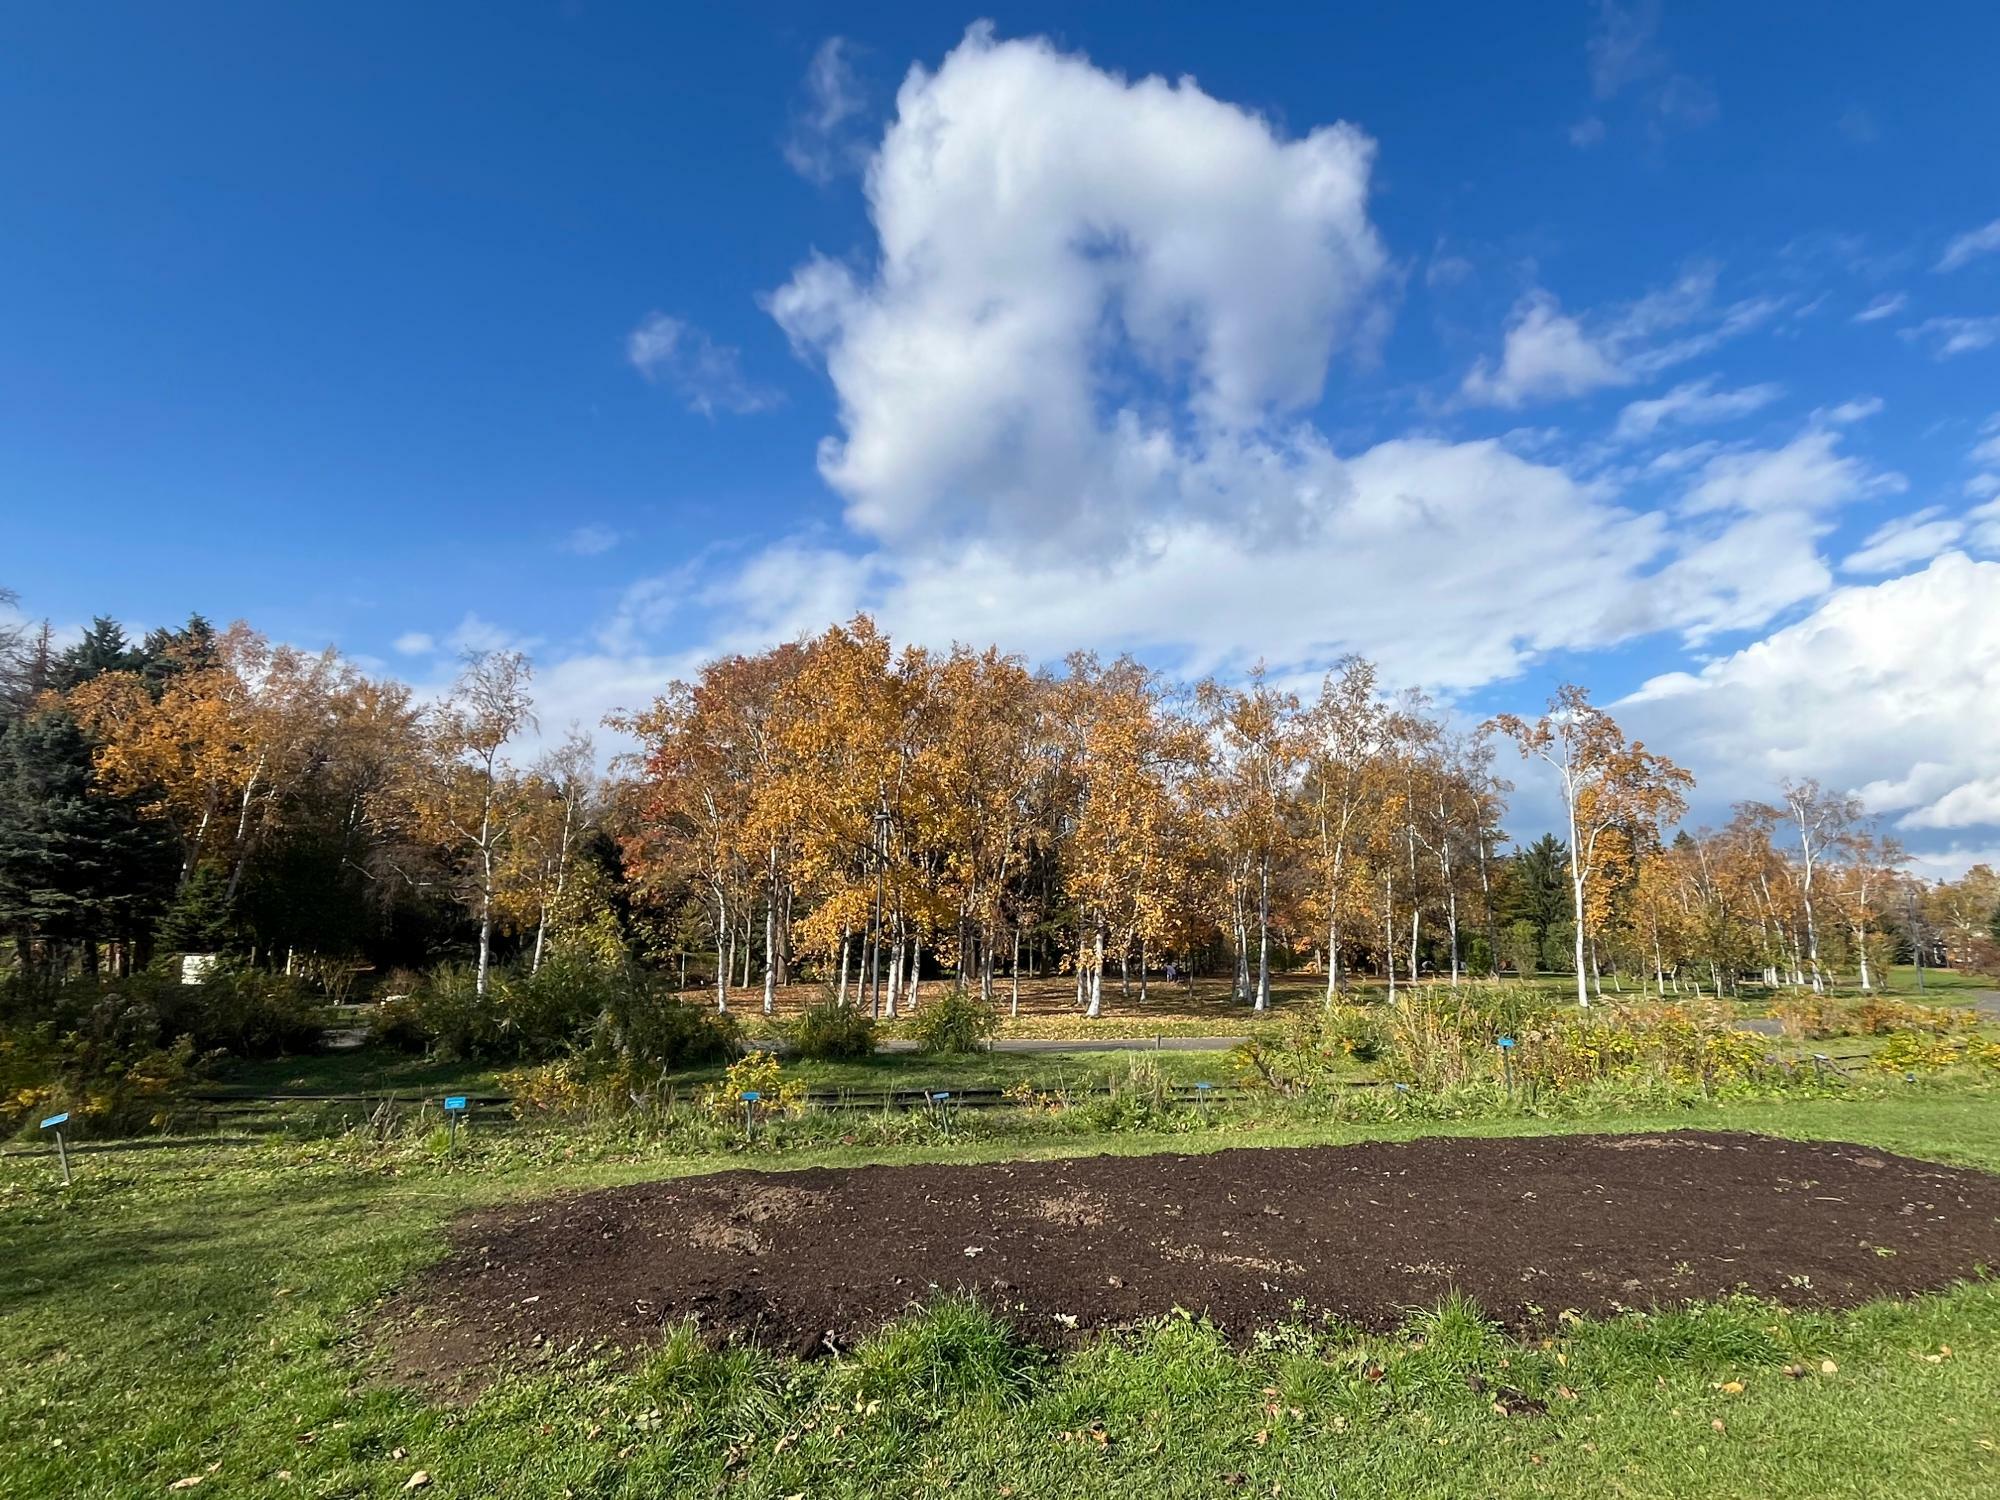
{"x": 941, "y": 1097}
{"x": 751, "y": 1096}
{"x": 1506, "y": 1041}
{"x": 1204, "y": 1087}
{"x": 54, "y": 1120}
{"x": 455, "y": 1103}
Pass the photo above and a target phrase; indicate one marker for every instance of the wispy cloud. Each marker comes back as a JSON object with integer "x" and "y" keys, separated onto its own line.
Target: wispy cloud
{"x": 1624, "y": 53}
{"x": 1970, "y": 246}
{"x": 709, "y": 376}
{"x": 823, "y": 142}
{"x": 1692, "y": 404}
{"x": 1950, "y": 336}
{"x": 415, "y": 643}
{"x": 593, "y": 540}
{"x": 1548, "y": 353}
{"x": 1885, "y": 306}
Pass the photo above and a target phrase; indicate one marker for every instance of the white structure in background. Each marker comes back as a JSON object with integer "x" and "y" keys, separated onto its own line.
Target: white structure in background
{"x": 196, "y": 967}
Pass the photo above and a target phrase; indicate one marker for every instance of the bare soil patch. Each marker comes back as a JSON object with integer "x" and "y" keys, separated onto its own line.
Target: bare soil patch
{"x": 810, "y": 1261}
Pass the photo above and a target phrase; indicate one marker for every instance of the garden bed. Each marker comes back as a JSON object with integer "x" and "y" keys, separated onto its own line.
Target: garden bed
{"x": 811, "y": 1261}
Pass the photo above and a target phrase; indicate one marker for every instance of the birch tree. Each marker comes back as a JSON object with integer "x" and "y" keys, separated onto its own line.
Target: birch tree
{"x": 465, "y": 796}
{"x": 1606, "y": 784}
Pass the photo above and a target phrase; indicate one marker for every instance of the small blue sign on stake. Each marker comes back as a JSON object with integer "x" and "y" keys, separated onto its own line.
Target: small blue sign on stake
{"x": 56, "y": 1123}
{"x": 455, "y": 1103}
{"x": 1505, "y": 1041}
{"x": 750, "y": 1096}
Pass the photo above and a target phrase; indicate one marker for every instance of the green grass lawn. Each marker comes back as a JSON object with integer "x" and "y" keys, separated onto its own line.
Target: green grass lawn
{"x": 202, "y": 1314}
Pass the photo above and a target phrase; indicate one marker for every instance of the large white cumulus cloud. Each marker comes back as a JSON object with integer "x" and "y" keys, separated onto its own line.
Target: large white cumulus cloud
{"x": 1086, "y": 291}
{"x": 1891, "y": 690}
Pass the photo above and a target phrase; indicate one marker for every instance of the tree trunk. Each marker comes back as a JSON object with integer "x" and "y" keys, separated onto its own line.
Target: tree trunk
{"x": 1097, "y": 976}
{"x": 1389, "y": 935}
{"x": 770, "y": 954}
{"x": 843, "y": 968}
{"x": 1263, "y": 1001}
{"x": 1014, "y": 976}
{"x": 1332, "y": 953}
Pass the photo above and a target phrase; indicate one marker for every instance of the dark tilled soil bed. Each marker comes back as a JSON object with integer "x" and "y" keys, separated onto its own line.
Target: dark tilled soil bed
{"x": 813, "y": 1260}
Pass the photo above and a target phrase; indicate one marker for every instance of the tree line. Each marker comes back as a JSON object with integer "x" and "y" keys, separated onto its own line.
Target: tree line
{"x": 841, "y": 809}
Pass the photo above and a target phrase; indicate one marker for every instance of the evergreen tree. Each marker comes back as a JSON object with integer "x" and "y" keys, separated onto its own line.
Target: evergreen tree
{"x": 168, "y": 653}
{"x": 78, "y": 868}
{"x": 1535, "y": 888}
{"x": 200, "y": 919}
{"x": 103, "y": 648}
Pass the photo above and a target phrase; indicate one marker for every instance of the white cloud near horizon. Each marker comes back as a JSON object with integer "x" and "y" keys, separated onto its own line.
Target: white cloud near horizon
{"x": 1890, "y": 690}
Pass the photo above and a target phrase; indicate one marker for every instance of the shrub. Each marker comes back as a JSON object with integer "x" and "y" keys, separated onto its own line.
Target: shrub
{"x": 104, "y": 1062}
{"x": 399, "y": 1026}
{"x": 522, "y": 1017}
{"x": 650, "y": 1029}
{"x": 1917, "y": 1052}
{"x": 831, "y": 1032}
{"x": 759, "y": 1073}
{"x": 459, "y": 1020}
{"x": 956, "y": 1022}
{"x": 1312, "y": 1051}
{"x": 1813, "y": 1018}
{"x": 1880, "y": 1016}
{"x": 242, "y": 1012}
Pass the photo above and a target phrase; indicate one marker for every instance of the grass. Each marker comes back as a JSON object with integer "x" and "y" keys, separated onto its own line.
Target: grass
{"x": 368, "y": 1071}
{"x": 203, "y": 1314}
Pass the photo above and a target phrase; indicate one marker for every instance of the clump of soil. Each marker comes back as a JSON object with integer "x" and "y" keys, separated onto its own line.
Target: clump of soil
{"x": 810, "y": 1261}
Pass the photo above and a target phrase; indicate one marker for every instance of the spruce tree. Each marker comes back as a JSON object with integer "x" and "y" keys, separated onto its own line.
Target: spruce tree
{"x": 103, "y": 648}
{"x": 78, "y": 867}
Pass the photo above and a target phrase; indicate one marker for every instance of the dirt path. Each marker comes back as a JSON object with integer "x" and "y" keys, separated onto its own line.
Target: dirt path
{"x": 815, "y": 1259}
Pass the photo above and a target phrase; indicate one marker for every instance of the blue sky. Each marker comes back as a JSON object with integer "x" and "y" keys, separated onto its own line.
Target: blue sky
{"x": 1652, "y": 345}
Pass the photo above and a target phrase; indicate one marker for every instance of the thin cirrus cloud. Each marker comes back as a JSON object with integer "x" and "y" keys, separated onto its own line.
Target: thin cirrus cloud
{"x": 1885, "y": 306}
{"x": 1947, "y": 337}
{"x": 1970, "y": 246}
{"x": 824, "y": 141}
{"x": 706, "y": 375}
{"x": 1624, "y": 55}
{"x": 593, "y": 540}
